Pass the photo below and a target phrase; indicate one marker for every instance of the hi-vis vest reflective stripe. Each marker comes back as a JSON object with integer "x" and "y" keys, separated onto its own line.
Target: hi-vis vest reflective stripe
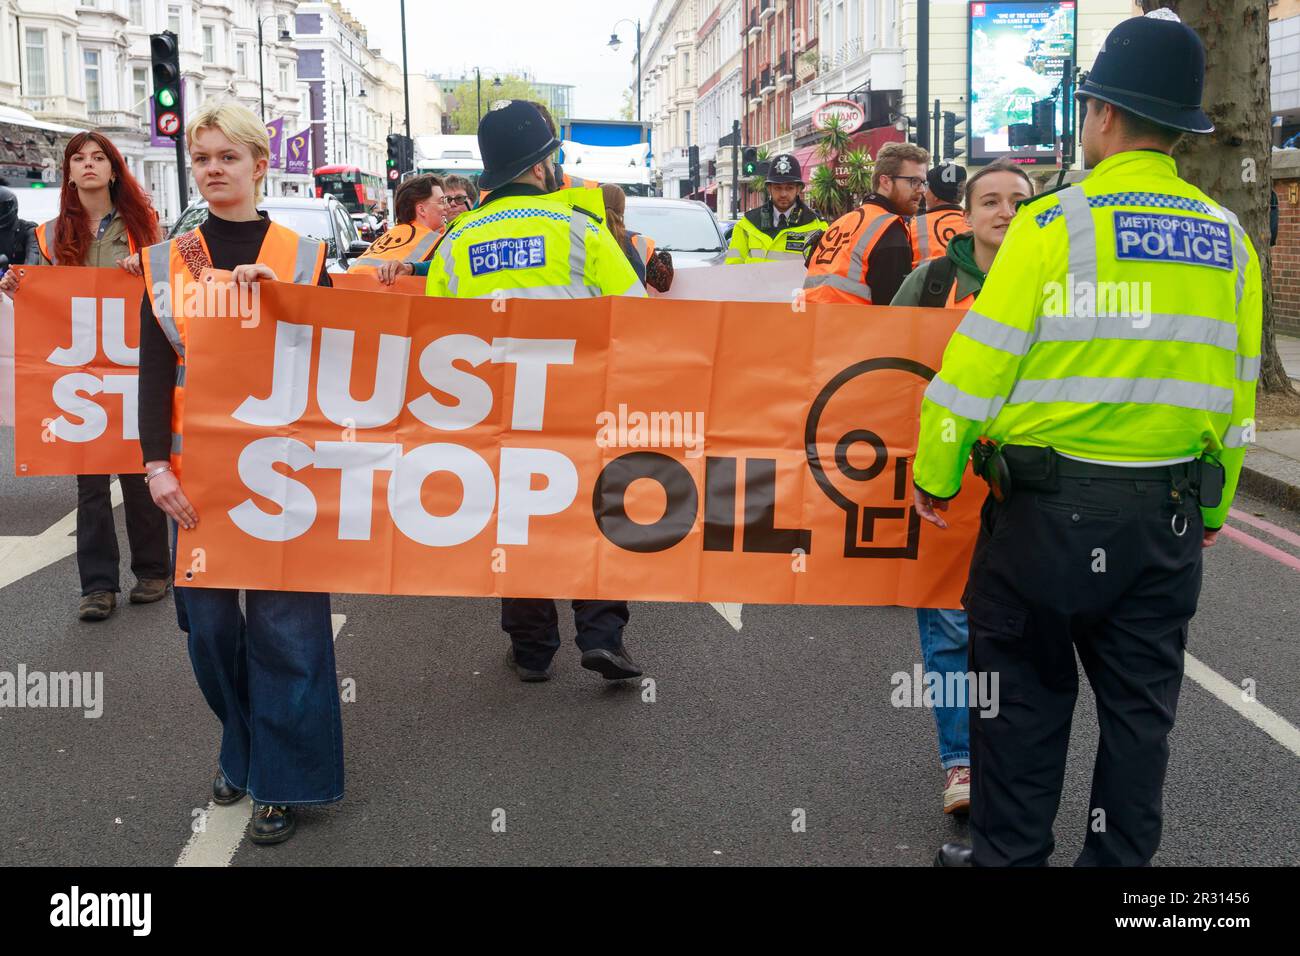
{"x": 932, "y": 232}
{"x": 838, "y": 269}
{"x": 290, "y": 256}
{"x": 1121, "y": 323}
{"x": 536, "y": 247}
{"x": 407, "y": 242}
{"x": 750, "y": 244}
{"x": 45, "y": 235}
{"x": 644, "y": 246}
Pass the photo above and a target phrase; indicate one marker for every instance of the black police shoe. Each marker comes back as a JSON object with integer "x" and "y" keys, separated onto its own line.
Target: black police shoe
{"x": 224, "y": 793}
{"x": 272, "y": 824}
{"x": 527, "y": 674}
{"x": 611, "y": 665}
{"x": 953, "y": 854}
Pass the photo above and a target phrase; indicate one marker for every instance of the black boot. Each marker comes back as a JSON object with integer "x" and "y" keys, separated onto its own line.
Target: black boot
{"x": 271, "y": 824}
{"x": 611, "y": 665}
{"x": 953, "y": 854}
{"x": 224, "y": 793}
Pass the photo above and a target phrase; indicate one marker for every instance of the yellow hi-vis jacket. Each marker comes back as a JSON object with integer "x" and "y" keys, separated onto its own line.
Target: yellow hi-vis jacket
{"x": 1121, "y": 323}
{"x": 749, "y": 243}
{"x": 524, "y": 243}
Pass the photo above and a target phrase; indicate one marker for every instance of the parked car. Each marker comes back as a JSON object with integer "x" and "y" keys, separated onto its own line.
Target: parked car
{"x": 323, "y": 218}
{"x": 685, "y": 227}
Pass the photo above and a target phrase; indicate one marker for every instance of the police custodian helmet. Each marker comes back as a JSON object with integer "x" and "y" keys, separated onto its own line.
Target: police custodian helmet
{"x": 784, "y": 168}
{"x": 510, "y": 140}
{"x": 1153, "y": 66}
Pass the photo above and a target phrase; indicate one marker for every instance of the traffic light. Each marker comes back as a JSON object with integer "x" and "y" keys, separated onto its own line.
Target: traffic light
{"x": 1041, "y": 132}
{"x": 168, "y": 117}
{"x": 951, "y": 135}
{"x": 394, "y": 163}
{"x": 408, "y": 155}
{"x": 693, "y": 167}
{"x": 749, "y": 161}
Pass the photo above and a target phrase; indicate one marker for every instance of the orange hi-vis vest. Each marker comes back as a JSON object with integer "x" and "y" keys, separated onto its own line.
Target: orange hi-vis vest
{"x": 644, "y": 246}
{"x": 45, "y": 233}
{"x": 932, "y": 232}
{"x": 167, "y": 274}
{"x": 407, "y": 242}
{"x": 837, "y": 271}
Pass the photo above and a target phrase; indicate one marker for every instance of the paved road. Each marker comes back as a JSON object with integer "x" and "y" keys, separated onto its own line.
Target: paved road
{"x": 790, "y": 712}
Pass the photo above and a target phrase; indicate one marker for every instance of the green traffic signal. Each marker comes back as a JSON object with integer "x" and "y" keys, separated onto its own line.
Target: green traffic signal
{"x": 166, "y": 99}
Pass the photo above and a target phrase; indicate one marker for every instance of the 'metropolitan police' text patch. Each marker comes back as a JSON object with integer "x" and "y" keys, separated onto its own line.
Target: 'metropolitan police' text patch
{"x": 526, "y": 252}
{"x": 1163, "y": 238}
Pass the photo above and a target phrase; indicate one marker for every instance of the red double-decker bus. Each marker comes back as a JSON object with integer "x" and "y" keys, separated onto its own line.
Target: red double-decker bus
{"x": 359, "y": 192}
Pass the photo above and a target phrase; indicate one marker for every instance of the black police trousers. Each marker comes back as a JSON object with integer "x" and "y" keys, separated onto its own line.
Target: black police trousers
{"x": 98, "y": 558}
{"x": 534, "y": 627}
{"x": 1109, "y": 568}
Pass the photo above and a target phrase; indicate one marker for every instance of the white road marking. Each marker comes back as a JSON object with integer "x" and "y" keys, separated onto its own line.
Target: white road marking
{"x": 216, "y": 844}
{"x": 1229, "y": 693}
{"x": 26, "y": 554}
{"x": 226, "y": 826}
{"x": 730, "y": 613}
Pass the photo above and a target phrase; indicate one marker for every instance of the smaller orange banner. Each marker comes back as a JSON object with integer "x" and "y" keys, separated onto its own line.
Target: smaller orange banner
{"x": 76, "y": 371}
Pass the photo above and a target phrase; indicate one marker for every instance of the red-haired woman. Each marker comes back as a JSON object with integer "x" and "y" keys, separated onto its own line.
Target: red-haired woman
{"x": 104, "y": 218}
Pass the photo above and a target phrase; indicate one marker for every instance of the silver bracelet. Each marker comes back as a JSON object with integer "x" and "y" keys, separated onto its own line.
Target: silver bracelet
{"x": 156, "y": 472}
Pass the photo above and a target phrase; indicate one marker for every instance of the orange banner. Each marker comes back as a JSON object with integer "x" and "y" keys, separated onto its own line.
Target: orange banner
{"x": 605, "y": 448}
{"x": 76, "y": 365}
{"x": 366, "y": 282}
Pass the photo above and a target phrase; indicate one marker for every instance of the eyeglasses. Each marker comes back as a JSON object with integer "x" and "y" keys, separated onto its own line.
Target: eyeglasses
{"x": 454, "y": 200}
{"x": 916, "y": 182}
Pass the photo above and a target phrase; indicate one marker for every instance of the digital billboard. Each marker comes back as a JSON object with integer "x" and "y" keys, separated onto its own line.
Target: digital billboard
{"x": 1016, "y": 55}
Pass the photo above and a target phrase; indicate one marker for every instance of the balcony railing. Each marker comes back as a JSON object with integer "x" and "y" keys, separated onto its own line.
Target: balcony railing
{"x": 115, "y": 119}
{"x": 766, "y": 9}
{"x": 844, "y": 53}
{"x": 754, "y": 28}
{"x": 766, "y": 84}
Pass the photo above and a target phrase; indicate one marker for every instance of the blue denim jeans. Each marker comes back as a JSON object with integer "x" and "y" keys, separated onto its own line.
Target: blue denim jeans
{"x": 270, "y": 679}
{"x": 944, "y": 641}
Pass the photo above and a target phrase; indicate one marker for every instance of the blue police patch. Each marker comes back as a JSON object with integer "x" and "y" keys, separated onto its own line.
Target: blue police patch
{"x": 1159, "y": 237}
{"x": 526, "y": 252}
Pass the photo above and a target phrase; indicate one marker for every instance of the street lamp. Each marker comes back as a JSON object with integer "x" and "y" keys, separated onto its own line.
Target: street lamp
{"x": 615, "y": 43}
{"x": 261, "y": 82}
{"x": 361, "y": 96}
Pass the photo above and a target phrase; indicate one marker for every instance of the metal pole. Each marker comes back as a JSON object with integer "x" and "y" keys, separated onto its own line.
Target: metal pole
{"x": 735, "y": 169}
{"x": 638, "y": 71}
{"x": 478, "y": 78}
{"x": 406, "y": 84}
{"x": 344, "y": 77}
{"x": 922, "y": 71}
{"x": 261, "y": 80}
{"x": 934, "y": 156}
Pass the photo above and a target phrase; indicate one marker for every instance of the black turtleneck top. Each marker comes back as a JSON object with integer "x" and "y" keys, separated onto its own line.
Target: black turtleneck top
{"x": 230, "y": 244}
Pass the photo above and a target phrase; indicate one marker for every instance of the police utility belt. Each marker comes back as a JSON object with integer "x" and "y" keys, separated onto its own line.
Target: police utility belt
{"x": 1006, "y": 467}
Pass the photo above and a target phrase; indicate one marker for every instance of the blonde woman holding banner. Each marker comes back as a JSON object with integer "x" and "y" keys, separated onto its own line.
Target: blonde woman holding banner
{"x": 268, "y": 676}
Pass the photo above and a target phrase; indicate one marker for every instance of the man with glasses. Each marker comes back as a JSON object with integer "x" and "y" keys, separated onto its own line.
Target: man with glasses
{"x": 865, "y": 255}
{"x": 422, "y": 211}
{"x": 462, "y": 195}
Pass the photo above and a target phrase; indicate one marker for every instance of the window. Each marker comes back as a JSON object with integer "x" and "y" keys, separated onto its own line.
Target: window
{"x": 174, "y": 20}
{"x": 686, "y": 66}
{"x": 90, "y": 61}
{"x": 285, "y": 78}
{"x": 241, "y": 60}
{"x": 209, "y": 44}
{"x": 136, "y": 12}
{"x": 37, "y": 82}
{"x": 688, "y": 127}
{"x": 140, "y": 93}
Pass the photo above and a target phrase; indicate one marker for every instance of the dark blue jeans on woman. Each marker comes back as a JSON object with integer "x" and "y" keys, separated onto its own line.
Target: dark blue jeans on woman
{"x": 270, "y": 679}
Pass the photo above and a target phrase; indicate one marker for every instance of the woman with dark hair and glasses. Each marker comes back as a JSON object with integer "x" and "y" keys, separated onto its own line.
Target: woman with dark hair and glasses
{"x": 105, "y": 218}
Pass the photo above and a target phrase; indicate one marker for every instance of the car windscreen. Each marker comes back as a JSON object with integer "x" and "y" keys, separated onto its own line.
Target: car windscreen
{"x": 684, "y": 228}
{"x": 311, "y": 222}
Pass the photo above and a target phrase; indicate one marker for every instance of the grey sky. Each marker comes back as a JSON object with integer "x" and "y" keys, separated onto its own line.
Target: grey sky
{"x": 564, "y": 42}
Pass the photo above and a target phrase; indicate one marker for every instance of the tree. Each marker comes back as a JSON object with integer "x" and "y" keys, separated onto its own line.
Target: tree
{"x": 627, "y": 110}
{"x": 464, "y": 104}
{"x": 1233, "y": 164}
